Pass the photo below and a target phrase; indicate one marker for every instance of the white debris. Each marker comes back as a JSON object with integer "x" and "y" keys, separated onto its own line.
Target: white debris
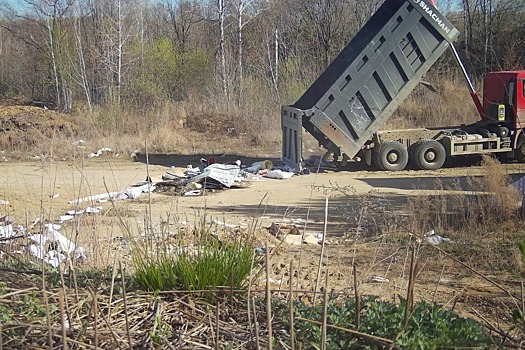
{"x": 95, "y": 198}
{"x": 64, "y": 247}
{"x": 93, "y": 210}
{"x": 35, "y": 222}
{"x": 255, "y": 167}
{"x": 135, "y": 191}
{"x": 378, "y": 279}
{"x": 437, "y": 239}
{"x": 64, "y": 218}
{"x": 79, "y": 143}
{"x": 130, "y": 192}
{"x": 192, "y": 193}
{"x": 99, "y": 152}
{"x": 226, "y": 174}
{"x": 75, "y": 212}
{"x": 6, "y": 231}
{"x": 279, "y": 174}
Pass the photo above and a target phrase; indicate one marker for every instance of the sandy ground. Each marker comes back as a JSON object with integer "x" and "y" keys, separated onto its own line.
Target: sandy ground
{"x": 45, "y": 189}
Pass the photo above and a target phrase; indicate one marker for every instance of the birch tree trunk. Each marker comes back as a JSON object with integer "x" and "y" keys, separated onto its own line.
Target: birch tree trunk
{"x": 84, "y": 83}
{"x": 222, "y": 50}
{"x": 240, "y": 11}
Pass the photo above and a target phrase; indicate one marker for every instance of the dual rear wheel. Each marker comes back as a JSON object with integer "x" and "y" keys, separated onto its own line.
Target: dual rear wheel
{"x": 424, "y": 154}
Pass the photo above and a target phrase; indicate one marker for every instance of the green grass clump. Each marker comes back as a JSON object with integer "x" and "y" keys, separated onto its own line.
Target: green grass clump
{"x": 207, "y": 265}
{"x": 155, "y": 274}
{"x": 213, "y": 266}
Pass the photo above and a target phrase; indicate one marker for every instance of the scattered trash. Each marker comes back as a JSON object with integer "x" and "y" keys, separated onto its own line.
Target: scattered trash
{"x": 93, "y": 210}
{"x": 262, "y": 165}
{"x": 79, "y": 143}
{"x": 131, "y": 192}
{"x": 192, "y": 193}
{"x": 293, "y": 240}
{"x": 75, "y": 212}
{"x": 64, "y": 218}
{"x": 170, "y": 177}
{"x": 224, "y": 174}
{"x": 435, "y": 239}
{"x": 99, "y": 152}
{"x": 63, "y": 247}
{"x": 378, "y": 279}
{"x": 275, "y": 230}
{"x": 294, "y": 231}
{"x": 308, "y": 238}
{"x": 6, "y": 232}
{"x": 279, "y": 174}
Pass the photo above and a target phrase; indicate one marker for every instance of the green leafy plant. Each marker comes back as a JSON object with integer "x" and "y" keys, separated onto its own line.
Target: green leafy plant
{"x": 429, "y": 326}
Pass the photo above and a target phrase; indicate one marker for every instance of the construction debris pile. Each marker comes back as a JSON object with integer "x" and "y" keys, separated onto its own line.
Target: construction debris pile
{"x": 212, "y": 176}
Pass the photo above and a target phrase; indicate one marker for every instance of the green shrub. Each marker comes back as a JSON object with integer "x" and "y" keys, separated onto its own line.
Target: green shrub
{"x": 429, "y": 327}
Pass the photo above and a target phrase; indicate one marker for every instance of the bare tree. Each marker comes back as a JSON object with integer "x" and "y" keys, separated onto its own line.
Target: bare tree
{"x": 183, "y": 15}
{"x": 49, "y": 17}
{"x": 221, "y": 12}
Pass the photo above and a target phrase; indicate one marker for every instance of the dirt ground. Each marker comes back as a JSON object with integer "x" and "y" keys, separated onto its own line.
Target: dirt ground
{"x": 44, "y": 188}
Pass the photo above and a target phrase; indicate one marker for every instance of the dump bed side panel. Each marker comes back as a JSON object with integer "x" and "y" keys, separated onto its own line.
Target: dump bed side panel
{"x": 372, "y": 76}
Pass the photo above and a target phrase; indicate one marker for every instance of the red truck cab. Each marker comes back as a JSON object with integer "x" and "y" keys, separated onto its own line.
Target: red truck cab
{"x": 504, "y": 99}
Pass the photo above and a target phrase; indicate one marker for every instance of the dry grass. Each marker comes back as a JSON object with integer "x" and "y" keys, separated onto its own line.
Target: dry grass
{"x": 486, "y": 222}
{"x": 451, "y": 105}
{"x": 208, "y": 122}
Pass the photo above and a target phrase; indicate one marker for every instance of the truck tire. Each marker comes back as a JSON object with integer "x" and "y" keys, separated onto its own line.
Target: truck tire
{"x": 503, "y": 131}
{"x": 412, "y": 153}
{"x": 391, "y": 156}
{"x": 429, "y": 155}
{"x": 519, "y": 152}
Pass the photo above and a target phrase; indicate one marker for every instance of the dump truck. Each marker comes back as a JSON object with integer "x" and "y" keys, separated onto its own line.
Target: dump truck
{"x": 362, "y": 87}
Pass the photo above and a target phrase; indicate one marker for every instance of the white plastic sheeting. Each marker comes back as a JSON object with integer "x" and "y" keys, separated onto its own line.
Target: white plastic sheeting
{"x": 225, "y": 174}
{"x": 64, "y": 248}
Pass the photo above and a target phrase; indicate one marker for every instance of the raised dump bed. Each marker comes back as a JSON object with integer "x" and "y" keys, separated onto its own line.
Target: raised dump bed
{"x": 368, "y": 80}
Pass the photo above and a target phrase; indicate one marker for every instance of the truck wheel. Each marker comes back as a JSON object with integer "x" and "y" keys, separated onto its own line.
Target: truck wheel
{"x": 429, "y": 155}
{"x": 503, "y": 131}
{"x": 519, "y": 152}
{"x": 392, "y": 156}
{"x": 412, "y": 153}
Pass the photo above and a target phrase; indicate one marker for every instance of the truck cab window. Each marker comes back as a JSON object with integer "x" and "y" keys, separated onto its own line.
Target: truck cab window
{"x": 509, "y": 93}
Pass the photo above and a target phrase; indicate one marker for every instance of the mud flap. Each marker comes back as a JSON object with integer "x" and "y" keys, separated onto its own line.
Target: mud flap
{"x": 292, "y": 139}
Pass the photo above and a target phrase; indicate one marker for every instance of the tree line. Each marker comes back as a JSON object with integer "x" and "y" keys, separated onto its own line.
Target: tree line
{"x": 96, "y": 53}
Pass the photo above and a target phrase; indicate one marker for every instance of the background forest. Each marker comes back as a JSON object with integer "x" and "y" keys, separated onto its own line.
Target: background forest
{"x": 147, "y": 69}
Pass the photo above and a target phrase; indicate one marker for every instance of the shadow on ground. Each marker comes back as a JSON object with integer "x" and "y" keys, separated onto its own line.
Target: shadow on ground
{"x": 182, "y": 161}
{"x": 344, "y": 212}
{"x": 461, "y": 183}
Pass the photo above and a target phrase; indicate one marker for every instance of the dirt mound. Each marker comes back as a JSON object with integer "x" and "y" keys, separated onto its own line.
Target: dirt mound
{"x": 24, "y": 127}
{"x": 211, "y": 124}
